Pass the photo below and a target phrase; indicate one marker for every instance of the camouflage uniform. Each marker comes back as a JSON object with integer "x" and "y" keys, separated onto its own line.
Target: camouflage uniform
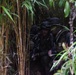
{"x": 42, "y": 45}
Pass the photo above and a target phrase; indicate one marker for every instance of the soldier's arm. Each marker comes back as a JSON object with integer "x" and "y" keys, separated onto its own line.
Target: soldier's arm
{"x": 52, "y": 45}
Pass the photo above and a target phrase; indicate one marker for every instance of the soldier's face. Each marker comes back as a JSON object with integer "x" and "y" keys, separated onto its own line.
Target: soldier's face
{"x": 44, "y": 32}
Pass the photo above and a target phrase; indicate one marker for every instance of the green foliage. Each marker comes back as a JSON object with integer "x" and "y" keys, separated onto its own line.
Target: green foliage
{"x": 69, "y": 56}
{"x": 75, "y": 3}
{"x": 51, "y": 2}
{"x": 72, "y": 1}
{"x": 7, "y": 13}
{"x": 66, "y": 28}
{"x": 67, "y": 9}
{"x": 29, "y": 8}
{"x": 41, "y": 3}
{"x": 29, "y": 4}
{"x": 61, "y": 3}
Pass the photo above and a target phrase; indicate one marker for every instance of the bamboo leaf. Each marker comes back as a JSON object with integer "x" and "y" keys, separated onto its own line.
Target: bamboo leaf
{"x": 57, "y": 62}
{"x": 74, "y": 31}
{"x": 66, "y": 27}
{"x": 69, "y": 63}
{"x": 70, "y": 48}
{"x": 44, "y": 3}
{"x": 61, "y": 3}
{"x": 67, "y": 9}
{"x": 7, "y": 12}
{"x": 28, "y": 5}
{"x": 34, "y": 1}
{"x": 51, "y": 2}
{"x": 39, "y": 3}
{"x": 15, "y": 15}
{"x": 25, "y": 4}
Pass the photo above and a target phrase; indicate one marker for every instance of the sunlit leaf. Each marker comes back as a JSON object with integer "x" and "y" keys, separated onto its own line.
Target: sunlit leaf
{"x": 64, "y": 46}
{"x": 69, "y": 62}
{"x": 57, "y": 62}
{"x": 71, "y": 1}
{"x": 75, "y": 3}
{"x": 67, "y": 9}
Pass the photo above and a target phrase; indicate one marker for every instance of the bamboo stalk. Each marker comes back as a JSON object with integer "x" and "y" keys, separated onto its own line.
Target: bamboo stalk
{"x": 24, "y": 35}
{"x": 20, "y": 51}
{"x": 1, "y": 48}
{"x": 5, "y": 48}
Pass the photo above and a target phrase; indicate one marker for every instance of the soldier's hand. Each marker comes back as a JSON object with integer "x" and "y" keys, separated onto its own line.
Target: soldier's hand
{"x": 50, "y": 53}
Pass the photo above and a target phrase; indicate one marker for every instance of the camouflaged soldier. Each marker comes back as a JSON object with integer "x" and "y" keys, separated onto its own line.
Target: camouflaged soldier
{"x": 43, "y": 48}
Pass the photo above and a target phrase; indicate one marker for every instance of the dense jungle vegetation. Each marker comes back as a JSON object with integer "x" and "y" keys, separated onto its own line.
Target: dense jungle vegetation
{"x": 16, "y": 19}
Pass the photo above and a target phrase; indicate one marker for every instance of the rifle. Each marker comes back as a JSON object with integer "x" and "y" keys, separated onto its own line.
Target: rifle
{"x": 40, "y": 54}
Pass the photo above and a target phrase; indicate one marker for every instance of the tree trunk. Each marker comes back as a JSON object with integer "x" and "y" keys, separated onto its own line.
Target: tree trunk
{"x": 71, "y": 19}
{"x": 71, "y": 31}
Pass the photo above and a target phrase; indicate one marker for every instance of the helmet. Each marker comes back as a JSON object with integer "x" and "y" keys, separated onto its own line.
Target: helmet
{"x": 45, "y": 25}
{"x": 53, "y": 20}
